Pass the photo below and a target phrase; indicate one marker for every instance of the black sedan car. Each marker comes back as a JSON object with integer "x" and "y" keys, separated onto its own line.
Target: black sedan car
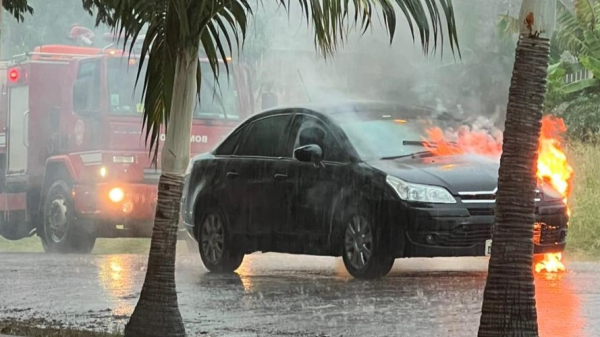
{"x": 350, "y": 180}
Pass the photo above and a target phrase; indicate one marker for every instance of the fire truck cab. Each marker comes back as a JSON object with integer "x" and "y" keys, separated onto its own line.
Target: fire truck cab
{"x": 73, "y": 162}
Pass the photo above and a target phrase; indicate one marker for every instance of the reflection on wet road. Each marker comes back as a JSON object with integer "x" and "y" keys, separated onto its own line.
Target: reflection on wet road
{"x": 285, "y": 295}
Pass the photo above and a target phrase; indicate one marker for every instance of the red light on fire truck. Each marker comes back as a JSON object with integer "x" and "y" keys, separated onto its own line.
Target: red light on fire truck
{"x": 14, "y": 74}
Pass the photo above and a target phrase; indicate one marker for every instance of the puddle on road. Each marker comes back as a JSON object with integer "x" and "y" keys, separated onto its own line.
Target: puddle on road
{"x": 558, "y": 306}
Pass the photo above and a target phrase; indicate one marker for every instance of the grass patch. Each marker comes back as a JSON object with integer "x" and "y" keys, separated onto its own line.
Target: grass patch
{"x": 29, "y": 245}
{"x": 30, "y": 329}
{"x": 584, "y": 231}
{"x": 103, "y": 246}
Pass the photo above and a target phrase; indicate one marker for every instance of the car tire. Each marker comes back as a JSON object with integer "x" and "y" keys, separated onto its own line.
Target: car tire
{"x": 60, "y": 232}
{"x": 216, "y": 245}
{"x": 363, "y": 248}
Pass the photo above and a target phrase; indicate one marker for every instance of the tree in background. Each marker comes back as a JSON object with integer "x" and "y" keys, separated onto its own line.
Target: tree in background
{"x": 174, "y": 31}
{"x": 49, "y": 25}
{"x": 574, "y": 80}
{"x": 573, "y": 87}
{"x": 17, "y": 8}
{"x": 255, "y": 47}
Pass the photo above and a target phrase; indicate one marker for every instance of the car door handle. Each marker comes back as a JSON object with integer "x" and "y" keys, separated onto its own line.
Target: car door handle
{"x": 232, "y": 175}
{"x": 280, "y": 176}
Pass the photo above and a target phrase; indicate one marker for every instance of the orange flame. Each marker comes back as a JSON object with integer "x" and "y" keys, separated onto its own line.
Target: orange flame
{"x": 551, "y": 263}
{"x": 552, "y": 166}
{"x": 466, "y": 141}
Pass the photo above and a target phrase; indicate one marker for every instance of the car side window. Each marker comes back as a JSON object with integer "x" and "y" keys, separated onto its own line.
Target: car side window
{"x": 227, "y": 148}
{"x": 265, "y": 137}
{"x": 312, "y": 130}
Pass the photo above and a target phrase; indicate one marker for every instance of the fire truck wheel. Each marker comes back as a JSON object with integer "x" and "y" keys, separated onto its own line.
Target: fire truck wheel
{"x": 215, "y": 245}
{"x": 61, "y": 233}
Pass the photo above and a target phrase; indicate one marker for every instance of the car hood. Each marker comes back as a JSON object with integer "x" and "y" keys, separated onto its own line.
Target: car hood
{"x": 457, "y": 173}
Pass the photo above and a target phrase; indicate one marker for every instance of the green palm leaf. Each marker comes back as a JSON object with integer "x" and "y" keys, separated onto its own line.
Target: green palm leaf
{"x": 17, "y": 8}
{"x": 578, "y": 31}
{"x": 592, "y": 64}
{"x": 580, "y": 85}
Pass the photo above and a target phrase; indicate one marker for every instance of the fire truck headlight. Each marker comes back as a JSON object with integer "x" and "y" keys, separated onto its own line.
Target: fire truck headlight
{"x": 103, "y": 171}
{"x": 116, "y": 194}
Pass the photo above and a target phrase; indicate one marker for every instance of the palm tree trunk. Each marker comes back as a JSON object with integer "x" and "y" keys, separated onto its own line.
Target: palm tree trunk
{"x": 509, "y": 297}
{"x": 157, "y": 312}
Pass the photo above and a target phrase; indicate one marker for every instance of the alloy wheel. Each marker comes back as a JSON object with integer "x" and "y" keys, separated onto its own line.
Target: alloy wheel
{"x": 358, "y": 242}
{"x": 212, "y": 238}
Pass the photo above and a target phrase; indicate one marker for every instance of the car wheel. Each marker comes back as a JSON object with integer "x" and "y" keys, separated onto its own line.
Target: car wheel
{"x": 61, "y": 233}
{"x": 215, "y": 245}
{"x": 363, "y": 253}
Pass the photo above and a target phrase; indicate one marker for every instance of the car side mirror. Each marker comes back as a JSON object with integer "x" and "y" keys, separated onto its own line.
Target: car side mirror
{"x": 311, "y": 153}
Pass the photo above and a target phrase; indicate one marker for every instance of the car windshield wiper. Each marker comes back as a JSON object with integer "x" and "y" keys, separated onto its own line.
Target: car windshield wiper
{"x": 415, "y": 142}
{"x": 425, "y": 153}
{"x": 413, "y": 155}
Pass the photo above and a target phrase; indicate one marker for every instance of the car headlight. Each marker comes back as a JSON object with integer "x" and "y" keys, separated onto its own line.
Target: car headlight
{"x": 421, "y": 193}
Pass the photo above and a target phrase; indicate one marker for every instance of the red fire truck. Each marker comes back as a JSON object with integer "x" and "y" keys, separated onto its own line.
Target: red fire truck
{"x": 73, "y": 162}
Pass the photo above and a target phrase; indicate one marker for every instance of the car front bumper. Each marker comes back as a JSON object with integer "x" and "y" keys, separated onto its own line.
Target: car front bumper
{"x": 463, "y": 231}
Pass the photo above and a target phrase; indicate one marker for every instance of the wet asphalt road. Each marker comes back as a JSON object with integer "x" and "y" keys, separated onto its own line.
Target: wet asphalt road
{"x": 286, "y": 295}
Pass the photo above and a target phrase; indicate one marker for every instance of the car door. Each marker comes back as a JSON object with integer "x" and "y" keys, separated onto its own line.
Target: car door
{"x": 257, "y": 156}
{"x": 227, "y": 189}
{"x": 315, "y": 188}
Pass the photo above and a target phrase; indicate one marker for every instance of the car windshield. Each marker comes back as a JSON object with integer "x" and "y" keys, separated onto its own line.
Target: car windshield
{"x": 218, "y": 101}
{"x": 386, "y": 137}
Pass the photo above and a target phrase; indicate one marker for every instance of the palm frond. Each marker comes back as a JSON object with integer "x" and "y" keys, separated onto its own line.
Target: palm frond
{"x": 102, "y": 9}
{"x": 132, "y": 19}
{"x": 584, "y": 10}
{"x": 17, "y": 8}
{"x": 330, "y": 18}
{"x": 158, "y": 84}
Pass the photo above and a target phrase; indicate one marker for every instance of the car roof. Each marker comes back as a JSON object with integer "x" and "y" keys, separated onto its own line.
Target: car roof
{"x": 358, "y": 110}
